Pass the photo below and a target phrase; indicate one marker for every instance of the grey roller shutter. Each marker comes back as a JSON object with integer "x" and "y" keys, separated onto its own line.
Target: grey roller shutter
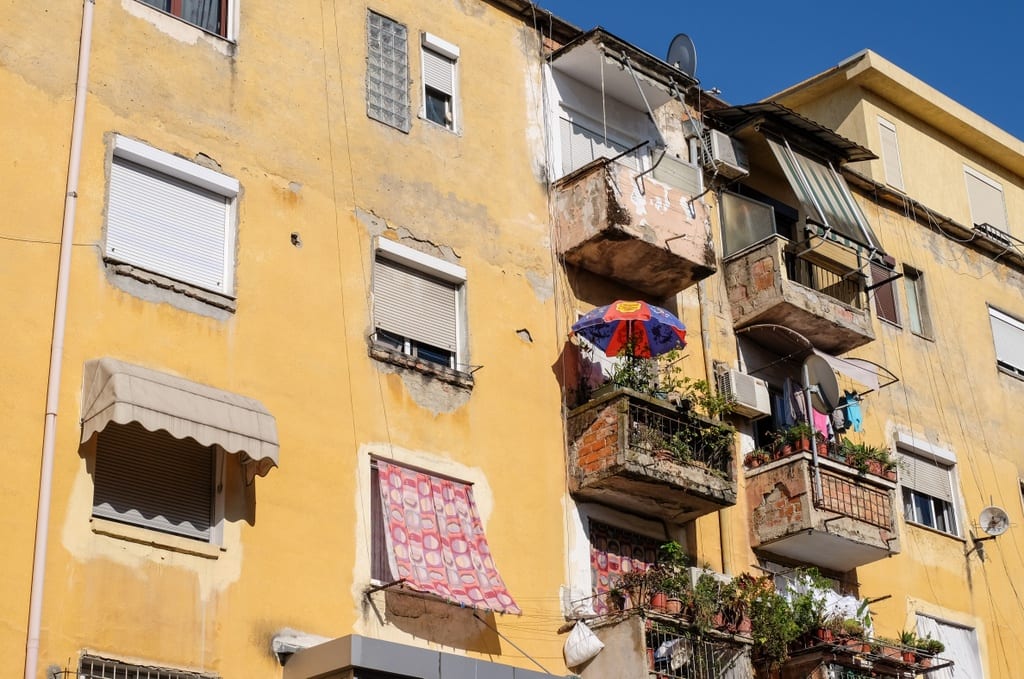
{"x": 925, "y": 476}
{"x": 438, "y": 72}
{"x": 415, "y": 305}
{"x": 165, "y": 225}
{"x": 154, "y": 480}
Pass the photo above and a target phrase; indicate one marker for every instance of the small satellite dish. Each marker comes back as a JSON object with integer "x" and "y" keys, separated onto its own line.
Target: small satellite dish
{"x": 683, "y": 55}
{"x": 994, "y": 520}
{"x": 817, "y": 372}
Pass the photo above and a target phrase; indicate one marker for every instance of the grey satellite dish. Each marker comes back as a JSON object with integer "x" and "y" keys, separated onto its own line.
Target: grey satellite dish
{"x": 818, "y": 373}
{"x": 994, "y": 520}
{"x": 683, "y": 55}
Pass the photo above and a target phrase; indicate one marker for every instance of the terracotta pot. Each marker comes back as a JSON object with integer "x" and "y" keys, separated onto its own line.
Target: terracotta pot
{"x": 875, "y": 467}
{"x": 673, "y": 606}
{"x": 745, "y": 626}
{"x": 650, "y": 658}
{"x": 822, "y": 448}
{"x": 659, "y": 601}
{"x": 890, "y": 474}
{"x": 718, "y": 621}
{"x": 909, "y": 656}
{"x": 825, "y": 634}
{"x": 925, "y": 661}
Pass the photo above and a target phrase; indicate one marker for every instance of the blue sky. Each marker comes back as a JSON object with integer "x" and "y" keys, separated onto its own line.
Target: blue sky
{"x": 972, "y": 52}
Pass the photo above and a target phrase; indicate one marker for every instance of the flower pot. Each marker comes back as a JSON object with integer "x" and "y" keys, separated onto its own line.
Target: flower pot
{"x": 673, "y": 606}
{"x": 825, "y": 634}
{"x": 925, "y": 661}
{"x": 822, "y": 448}
{"x": 718, "y": 620}
{"x": 875, "y": 467}
{"x": 890, "y": 474}
{"x": 745, "y": 626}
{"x": 659, "y": 602}
{"x": 650, "y": 658}
{"x": 909, "y": 657}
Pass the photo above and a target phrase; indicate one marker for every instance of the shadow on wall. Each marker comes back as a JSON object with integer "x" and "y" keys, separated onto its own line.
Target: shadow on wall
{"x": 446, "y": 624}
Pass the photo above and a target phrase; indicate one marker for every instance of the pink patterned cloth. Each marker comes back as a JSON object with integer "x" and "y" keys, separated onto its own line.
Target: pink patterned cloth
{"x": 436, "y": 542}
{"x": 613, "y": 553}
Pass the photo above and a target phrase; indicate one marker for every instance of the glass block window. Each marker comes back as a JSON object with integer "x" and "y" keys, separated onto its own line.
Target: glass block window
{"x": 387, "y": 71}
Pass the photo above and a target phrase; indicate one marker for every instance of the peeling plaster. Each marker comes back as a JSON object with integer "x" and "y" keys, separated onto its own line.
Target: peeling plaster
{"x": 175, "y": 28}
{"x": 427, "y": 391}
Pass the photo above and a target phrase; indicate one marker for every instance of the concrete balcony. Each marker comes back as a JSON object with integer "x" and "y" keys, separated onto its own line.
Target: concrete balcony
{"x": 853, "y": 522}
{"x": 642, "y": 455}
{"x": 769, "y": 284}
{"x": 638, "y": 231}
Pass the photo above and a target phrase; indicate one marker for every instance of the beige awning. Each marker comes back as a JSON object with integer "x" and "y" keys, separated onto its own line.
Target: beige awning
{"x": 119, "y": 392}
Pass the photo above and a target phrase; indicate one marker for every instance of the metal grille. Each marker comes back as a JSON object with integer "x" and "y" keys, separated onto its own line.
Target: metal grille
{"x": 674, "y": 654}
{"x": 91, "y": 667}
{"x": 387, "y": 71}
{"x": 870, "y": 505}
{"x": 692, "y": 441}
{"x": 810, "y": 275}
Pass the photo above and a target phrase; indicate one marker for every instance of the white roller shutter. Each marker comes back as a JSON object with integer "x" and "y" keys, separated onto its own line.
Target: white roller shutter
{"x": 154, "y": 480}
{"x": 1008, "y": 335}
{"x": 168, "y": 226}
{"x": 413, "y": 304}
{"x": 986, "y": 198}
{"x": 439, "y": 72}
{"x": 925, "y": 476}
{"x": 890, "y": 153}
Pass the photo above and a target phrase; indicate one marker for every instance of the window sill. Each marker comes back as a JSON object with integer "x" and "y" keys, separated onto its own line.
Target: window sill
{"x": 154, "y": 287}
{"x": 454, "y": 377}
{"x": 936, "y": 531}
{"x": 892, "y": 324}
{"x": 152, "y": 538}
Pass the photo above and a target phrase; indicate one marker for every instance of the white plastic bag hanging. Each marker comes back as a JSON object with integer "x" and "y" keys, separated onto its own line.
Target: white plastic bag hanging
{"x": 581, "y": 646}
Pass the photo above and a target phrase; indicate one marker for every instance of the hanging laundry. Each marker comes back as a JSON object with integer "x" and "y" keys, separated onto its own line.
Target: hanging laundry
{"x": 852, "y": 414}
{"x": 787, "y": 415}
{"x": 820, "y": 423}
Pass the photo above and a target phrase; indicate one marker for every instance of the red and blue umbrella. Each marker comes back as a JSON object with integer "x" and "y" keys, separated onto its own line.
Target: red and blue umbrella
{"x": 654, "y": 331}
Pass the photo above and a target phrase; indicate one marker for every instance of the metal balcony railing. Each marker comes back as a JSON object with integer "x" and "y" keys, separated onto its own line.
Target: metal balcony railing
{"x": 848, "y": 290}
{"x": 678, "y": 654}
{"x": 858, "y": 501}
{"x": 690, "y": 440}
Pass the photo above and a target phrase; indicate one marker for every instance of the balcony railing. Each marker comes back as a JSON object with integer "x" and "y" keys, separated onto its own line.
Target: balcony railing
{"x": 643, "y": 455}
{"x": 769, "y": 283}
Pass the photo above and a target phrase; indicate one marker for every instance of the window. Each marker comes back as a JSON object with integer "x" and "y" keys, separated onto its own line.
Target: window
{"x": 439, "y": 81}
{"x": 427, "y": 532}
{"x": 890, "y": 154}
{"x": 928, "y": 492}
{"x": 883, "y": 279}
{"x": 582, "y": 144}
{"x": 1008, "y": 335}
{"x": 417, "y": 304}
{"x": 154, "y": 480}
{"x": 171, "y": 217}
{"x": 93, "y": 667}
{"x": 961, "y": 645}
{"x": 614, "y": 552}
{"x": 986, "y": 199}
{"x": 917, "y": 302}
{"x": 209, "y": 15}
{"x": 387, "y": 71}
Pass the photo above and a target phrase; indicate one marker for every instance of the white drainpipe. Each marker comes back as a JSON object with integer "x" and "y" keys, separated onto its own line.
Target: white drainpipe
{"x": 60, "y": 312}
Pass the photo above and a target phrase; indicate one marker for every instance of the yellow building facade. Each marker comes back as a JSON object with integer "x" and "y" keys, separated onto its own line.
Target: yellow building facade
{"x": 319, "y": 300}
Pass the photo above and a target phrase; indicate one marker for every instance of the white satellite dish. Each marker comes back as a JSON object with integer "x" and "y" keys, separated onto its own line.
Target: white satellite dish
{"x": 994, "y": 520}
{"x": 818, "y": 373}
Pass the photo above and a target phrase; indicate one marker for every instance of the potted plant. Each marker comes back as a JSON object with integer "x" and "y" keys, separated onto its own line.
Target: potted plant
{"x": 928, "y": 648}
{"x": 756, "y": 458}
{"x": 908, "y": 641}
{"x": 773, "y": 626}
{"x": 865, "y": 458}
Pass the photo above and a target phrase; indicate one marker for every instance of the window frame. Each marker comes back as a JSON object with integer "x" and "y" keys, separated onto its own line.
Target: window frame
{"x": 919, "y": 319}
{"x": 228, "y": 17}
{"x": 969, "y": 171}
{"x": 176, "y": 168}
{"x": 127, "y": 526}
{"x": 924, "y": 453}
{"x": 895, "y": 163}
{"x": 887, "y": 288}
{"x": 449, "y": 53}
{"x": 1004, "y": 366}
{"x": 431, "y": 268}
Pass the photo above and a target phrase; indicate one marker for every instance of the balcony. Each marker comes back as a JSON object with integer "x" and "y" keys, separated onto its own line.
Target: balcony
{"x": 853, "y": 522}
{"x": 642, "y": 455}
{"x": 636, "y": 230}
{"x": 854, "y": 658}
{"x": 769, "y": 283}
{"x": 640, "y": 647}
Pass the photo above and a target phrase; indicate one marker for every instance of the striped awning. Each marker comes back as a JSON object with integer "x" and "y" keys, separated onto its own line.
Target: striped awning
{"x": 119, "y": 392}
{"x": 435, "y": 539}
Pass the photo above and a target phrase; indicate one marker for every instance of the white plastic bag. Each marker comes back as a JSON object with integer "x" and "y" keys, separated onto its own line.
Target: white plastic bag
{"x": 581, "y": 646}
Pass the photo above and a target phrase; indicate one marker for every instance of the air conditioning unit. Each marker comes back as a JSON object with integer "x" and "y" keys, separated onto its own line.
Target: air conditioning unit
{"x": 750, "y": 394}
{"x": 723, "y": 154}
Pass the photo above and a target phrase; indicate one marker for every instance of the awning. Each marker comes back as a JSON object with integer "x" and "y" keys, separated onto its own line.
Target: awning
{"x": 435, "y": 539}
{"x": 789, "y": 345}
{"x": 825, "y": 197}
{"x": 119, "y": 392}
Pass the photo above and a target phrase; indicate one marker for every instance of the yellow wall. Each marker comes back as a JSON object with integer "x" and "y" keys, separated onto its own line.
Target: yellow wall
{"x": 283, "y": 111}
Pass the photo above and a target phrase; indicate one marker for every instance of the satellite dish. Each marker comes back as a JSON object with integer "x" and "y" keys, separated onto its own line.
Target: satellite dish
{"x": 818, "y": 373}
{"x": 994, "y": 520}
{"x": 683, "y": 55}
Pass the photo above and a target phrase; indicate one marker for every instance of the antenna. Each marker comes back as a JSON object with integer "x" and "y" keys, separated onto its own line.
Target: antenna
{"x": 683, "y": 55}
